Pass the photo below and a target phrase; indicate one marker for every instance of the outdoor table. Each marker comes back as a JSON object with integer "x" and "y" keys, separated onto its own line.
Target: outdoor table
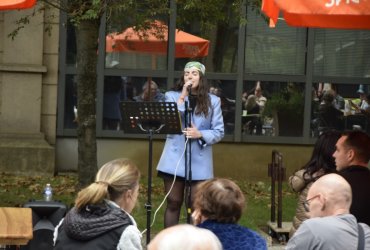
{"x": 15, "y": 225}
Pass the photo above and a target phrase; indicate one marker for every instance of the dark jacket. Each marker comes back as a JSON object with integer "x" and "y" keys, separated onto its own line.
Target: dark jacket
{"x": 95, "y": 227}
{"x": 359, "y": 179}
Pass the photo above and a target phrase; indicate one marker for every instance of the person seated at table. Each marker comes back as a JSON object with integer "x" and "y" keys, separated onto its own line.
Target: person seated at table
{"x": 218, "y": 205}
{"x": 364, "y": 102}
{"x": 252, "y": 120}
{"x": 151, "y": 93}
{"x": 329, "y": 116}
{"x": 339, "y": 101}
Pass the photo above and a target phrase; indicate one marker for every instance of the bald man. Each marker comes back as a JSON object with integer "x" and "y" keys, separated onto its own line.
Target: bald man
{"x": 330, "y": 226}
{"x": 185, "y": 237}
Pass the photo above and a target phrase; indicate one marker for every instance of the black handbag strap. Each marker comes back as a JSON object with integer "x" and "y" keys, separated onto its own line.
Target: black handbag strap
{"x": 361, "y": 238}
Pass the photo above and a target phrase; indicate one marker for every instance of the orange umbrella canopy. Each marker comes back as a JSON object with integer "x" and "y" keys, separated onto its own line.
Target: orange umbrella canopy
{"x": 151, "y": 42}
{"x": 16, "y": 4}
{"x": 341, "y": 14}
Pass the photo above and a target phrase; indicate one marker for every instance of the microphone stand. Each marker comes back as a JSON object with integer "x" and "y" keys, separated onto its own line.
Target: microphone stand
{"x": 188, "y": 171}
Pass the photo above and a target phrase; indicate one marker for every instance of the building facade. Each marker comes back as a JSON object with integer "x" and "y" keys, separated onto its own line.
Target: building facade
{"x": 292, "y": 67}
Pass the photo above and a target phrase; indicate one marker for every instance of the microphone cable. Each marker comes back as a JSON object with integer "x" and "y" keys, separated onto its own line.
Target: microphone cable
{"x": 168, "y": 193}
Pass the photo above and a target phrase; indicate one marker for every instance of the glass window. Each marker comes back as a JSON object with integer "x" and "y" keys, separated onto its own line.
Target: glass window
{"x": 128, "y": 48}
{"x": 125, "y": 88}
{"x": 340, "y": 107}
{"x": 225, "y": 89}
{"x": 272, "y": 108}
{"x": 216, "y": 44}
{"x": 342, "y": 53}
{"x": 280, "y": 50}
{"x": 71, "y": 44}
{"x": 70, "y": 102}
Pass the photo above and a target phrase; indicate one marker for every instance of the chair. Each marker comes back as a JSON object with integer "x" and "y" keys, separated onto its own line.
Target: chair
{"x": 329, "y": 119}
{"x": 46, "y": 215}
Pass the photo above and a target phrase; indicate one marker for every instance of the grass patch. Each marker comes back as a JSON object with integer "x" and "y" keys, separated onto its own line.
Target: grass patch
{"x": 17, "y": 190}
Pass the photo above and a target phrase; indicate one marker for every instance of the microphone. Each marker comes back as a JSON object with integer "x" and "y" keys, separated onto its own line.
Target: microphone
{"x": 189, "y": 86}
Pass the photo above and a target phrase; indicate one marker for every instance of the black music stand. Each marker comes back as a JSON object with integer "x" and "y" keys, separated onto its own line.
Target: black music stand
{"x": 150, "y": 118}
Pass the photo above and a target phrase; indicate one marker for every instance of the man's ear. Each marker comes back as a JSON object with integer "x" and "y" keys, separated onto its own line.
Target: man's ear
{"x": 351, "y": 155}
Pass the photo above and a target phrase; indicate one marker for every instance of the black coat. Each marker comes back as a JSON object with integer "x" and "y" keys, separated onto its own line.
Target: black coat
{"x": 359, "y": 179}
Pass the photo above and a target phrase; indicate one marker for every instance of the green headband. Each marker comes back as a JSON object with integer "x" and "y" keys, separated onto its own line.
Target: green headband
{"x": 197, "y": 65}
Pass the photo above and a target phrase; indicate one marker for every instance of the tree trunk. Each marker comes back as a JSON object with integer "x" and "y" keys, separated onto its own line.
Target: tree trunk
{"x": 87, "y": 34}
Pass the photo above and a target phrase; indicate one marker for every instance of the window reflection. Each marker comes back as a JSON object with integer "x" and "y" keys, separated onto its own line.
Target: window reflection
{"x": 71, "y": 44}
{"x": 129, "y": 48}
{"x": 226, "y": 91}
{"x": 281, "y": 50}
{"x": 70, "y": 102}
{"x": 342, "y": 53}
{"x": 222, "y": 36}
{"x": 127, "y": 88}
{"x": 272, "y": 108}
{"x": 340, "y": 106}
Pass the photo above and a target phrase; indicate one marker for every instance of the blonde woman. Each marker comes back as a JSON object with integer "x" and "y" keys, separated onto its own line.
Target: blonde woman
{"x": 101, "y": 217}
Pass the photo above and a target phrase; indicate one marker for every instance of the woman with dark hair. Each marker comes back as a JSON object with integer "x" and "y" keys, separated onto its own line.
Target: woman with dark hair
{"x": 322, "y": 162}
{"x": 101, "y": 216}
{"x": 218, "y": 206}
{"x": 206, "y": 129}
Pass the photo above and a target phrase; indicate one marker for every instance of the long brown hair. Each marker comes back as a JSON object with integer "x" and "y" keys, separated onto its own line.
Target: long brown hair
{"x": 203, "y": 99}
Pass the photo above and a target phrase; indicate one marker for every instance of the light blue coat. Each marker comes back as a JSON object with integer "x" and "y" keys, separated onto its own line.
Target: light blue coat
{"x": 212, "y": 130}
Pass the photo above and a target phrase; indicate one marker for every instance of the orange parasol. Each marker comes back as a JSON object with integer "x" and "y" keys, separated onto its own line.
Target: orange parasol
{"x": 16, "y": 4}
{"x": 186, "y": 45}
{"x": 341, "y": 14}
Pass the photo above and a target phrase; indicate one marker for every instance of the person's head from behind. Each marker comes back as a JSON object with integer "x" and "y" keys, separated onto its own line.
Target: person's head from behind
{"x": 117, "y": 180}
{"x": 328, "y": 196}
{"x": 220, "y": 200}
{"x": 352, "y": 148}
{"x": 328, "y": 97}
{"x": 251, "y": 102}
{"x": 185, "y": 237}
{"x": 322, "y": 155}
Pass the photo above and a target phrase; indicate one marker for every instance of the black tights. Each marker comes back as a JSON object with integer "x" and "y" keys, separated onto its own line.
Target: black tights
{"x": 175, "y": 200}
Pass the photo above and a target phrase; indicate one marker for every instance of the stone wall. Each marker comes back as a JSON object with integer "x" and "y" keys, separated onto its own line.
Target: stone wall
{"x": 28, "y": 91}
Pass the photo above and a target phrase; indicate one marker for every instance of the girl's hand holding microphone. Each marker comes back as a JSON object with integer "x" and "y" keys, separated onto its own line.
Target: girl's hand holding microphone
{"x": 192, "y": 132}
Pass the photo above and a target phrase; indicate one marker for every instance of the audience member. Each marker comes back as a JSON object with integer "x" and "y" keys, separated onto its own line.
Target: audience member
{"x": 218, "y": 205}
{"x": 351, "y": 157}
{"x": 185, "y": 237}
{"x": 330, "y": 226}
{"x": 101, "y": 217}
{"x": 321, "y": 163}
{"x": 151, "y": 93}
